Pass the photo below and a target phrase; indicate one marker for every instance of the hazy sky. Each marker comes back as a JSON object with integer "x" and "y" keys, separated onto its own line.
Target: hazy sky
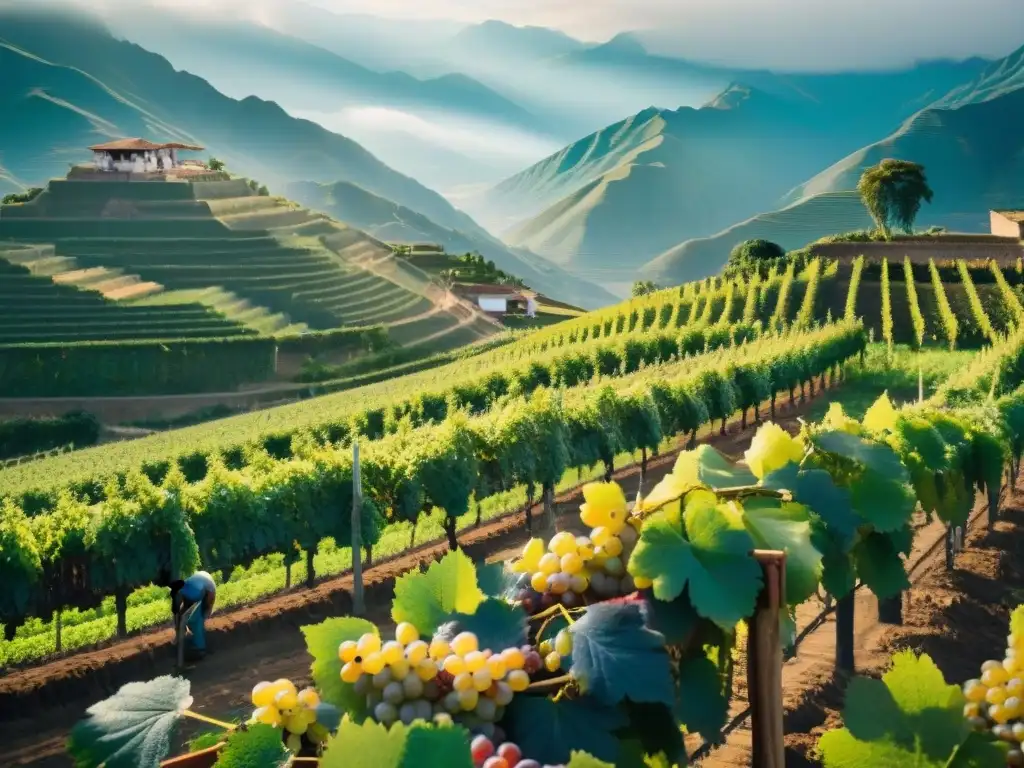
{"x": 782, "y": 34}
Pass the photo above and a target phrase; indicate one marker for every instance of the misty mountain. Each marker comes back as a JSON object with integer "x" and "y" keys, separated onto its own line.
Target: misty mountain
{"x": 967, "y": 140}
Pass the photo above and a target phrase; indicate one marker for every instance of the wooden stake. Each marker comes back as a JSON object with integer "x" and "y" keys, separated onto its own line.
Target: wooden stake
{"x": 764, "y": 665}
{"x": 58, "y": 640}
{"x": 357, "y": 535}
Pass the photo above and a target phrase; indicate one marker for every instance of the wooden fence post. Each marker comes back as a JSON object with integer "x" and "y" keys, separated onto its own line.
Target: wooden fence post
{"x": 764, "y": 665}
{"x": 357, "y": 534}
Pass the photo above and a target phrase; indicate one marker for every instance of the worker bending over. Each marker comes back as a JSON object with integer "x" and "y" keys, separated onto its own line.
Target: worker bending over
{"x": 197, "y": 588}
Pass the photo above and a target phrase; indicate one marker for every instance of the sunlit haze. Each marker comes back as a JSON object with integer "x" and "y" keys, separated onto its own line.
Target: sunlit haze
{"x": 782, "y": 34}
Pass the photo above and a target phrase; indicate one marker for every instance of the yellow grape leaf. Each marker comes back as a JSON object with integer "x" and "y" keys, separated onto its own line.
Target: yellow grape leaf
{"x": 603, "y": 504}
{"x": 881, "y": 416}
{"x": 772, "y": 448}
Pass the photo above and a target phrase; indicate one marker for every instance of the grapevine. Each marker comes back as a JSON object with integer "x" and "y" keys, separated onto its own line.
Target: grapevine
{"x": 915, "y": 308}
{"x": 1010, "y": 299}
{"x": 886, "y": 306}
{"x": 781, "y": 314}
{"x": 977, "y": 308}
{"x": 751, "y": 300}
{"x": 850, "y": 311}
{"x": 950, "y": 326}
{"x": 805, "y": 315}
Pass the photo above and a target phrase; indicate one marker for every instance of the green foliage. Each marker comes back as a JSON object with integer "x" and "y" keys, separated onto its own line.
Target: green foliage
{"x": 916, "y": 318}
{"x": 255, "y": 746}
{"x": 370, "y": 745}
{"x": 886, "y": 304}
{"x": 21, "y": 437}
{"x": 977, "y": 308}
{"x": 426, "y": 599}
{"x": 805, "y": 315}
{"x": 1011, "y": 301}
{"x": 496, "y": 624}
{"x": 750, "y": 303}
{"x": 909, "y": 717}
{"x": 15, "y": 198}
{"x": 615, "y": 657}
{"x": 644, "y": 287}
{"x": 892, "y": 192}
{"x": 950, "y": 326}
{"x": 214, "y": 164}
{"x": 133, "y": 728}
{"x": 550, "y": 731}
{"x": 322, "y": 641}
{"x": 749, "y": 252}
{"x": 781, "y": 314}
{"x": 850, "y": 310}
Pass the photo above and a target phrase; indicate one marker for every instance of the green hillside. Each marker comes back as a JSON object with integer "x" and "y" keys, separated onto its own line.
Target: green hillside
{"x": 968, "y": 143}
{"x": 394, "y": 223}
{"x": 208, "y": 259}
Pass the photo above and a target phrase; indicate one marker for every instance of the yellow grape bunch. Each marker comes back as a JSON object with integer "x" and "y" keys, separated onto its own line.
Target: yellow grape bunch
{"x": 282, "y": 705}
{"x": 995, "y": 701}
{"x": 572, "y": 565}
{"x": 408, "y": 678}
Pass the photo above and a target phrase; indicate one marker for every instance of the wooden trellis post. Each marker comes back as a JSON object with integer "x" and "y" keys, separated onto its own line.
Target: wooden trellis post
{"x": 764, "y": 664}
{"x": 357, "y": 534}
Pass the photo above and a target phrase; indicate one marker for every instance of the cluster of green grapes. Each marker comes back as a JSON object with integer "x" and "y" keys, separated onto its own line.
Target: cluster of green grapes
{"x": 570, "y": 565}
{"x": 409, "y": 679}
{"x": 995, "y": 701}
{"x": 282, "y": 705}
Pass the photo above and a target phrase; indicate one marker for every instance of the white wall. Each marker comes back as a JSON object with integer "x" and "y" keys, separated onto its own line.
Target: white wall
{"x": 493, "y": 304}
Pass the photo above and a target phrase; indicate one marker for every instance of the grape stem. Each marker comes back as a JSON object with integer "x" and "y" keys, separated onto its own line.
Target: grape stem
{"x": 546, "y": 685}
{"x": 210, "y": 720}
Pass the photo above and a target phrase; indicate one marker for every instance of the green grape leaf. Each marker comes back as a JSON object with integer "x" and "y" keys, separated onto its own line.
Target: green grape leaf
{"x": 676, "y": 619}
{"x": 425, "y": 599}
{"x": 583, "y": 760}
{"x": 549, "y": 731}
{"x": 909, "y": 717}
{"x": 879, "y": 565}
{"x": 657, "y": 730}
{"x": 702, "y": 705}
{"x": 134, "y": 727}
{"x": 256, "y": 746}
{"x": 881, "y": 416}
{"x": 715, "y": 563}
{"x": 886, "y": 504}
{"x": 431, "y": 746}
{"x": 496, "y": 624}
{"x": 786, "y": 526}
{"x": 706, "y": 466}
{"x": 615, "y": 656}
{"x": 322, "y": 641}
{"x": 815, "y": 489}
{"x": 495, "y": 579}
{"x": 370, "y": 745}
{"x": 837, "y": 572}
{"x": 875, "y": 456}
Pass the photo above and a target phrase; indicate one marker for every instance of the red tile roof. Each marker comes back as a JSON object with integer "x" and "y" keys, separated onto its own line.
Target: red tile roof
{"x": 140, "y": 145}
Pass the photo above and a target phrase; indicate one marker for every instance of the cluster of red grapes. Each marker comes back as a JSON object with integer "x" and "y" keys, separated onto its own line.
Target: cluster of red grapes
{"x": 506, "y": 755}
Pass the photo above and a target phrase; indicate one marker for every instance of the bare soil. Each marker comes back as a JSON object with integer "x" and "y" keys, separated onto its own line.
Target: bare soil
{"x": 262, "y": 641}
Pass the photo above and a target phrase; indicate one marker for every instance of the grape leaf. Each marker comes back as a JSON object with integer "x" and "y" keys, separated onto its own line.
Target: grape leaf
{"x": 879, "y": 565}
{"x": 657, "y": 730}
{"x": 426, "y": 598}
{"x": 815, "y": 489}
{"x": 549, "y": 731}
{"x": 706, "y": 466}
{"x": 675, "y": 619}
{"x": 701, "y": 705}
{"x": 837, "y": 574}
{"x": 786, "y": 526}
{"x": 496, "y": 624}
{"x": 615, "y": 656}
{"x": 322, "y": 641}
{"x": 771, "y": 449}
{"x": 715, "y": 563}
{"x": 881, "y": 416}
{"x": 256, "y": 746}
{"x": 583, "y": 760}
{"x": 909, "y": 717}
{"x": 886, "y": 504}
{"x": 495, "y": 579}
{"x": 877, "y": 457}
{"x": 431, "y": 746}
{"x": 370, "y": 745}
{"x": 133, "y": 728}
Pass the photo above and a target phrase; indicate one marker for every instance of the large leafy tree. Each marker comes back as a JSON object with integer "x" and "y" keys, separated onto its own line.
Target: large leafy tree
{"x": 750, "y": 252}
{"x": 892, "y": 192}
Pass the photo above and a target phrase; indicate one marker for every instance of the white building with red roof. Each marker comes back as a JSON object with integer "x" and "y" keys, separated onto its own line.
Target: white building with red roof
{"x": 138, "y": 155}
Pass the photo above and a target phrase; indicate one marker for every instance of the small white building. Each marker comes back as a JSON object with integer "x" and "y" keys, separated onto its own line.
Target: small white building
{"x": 138, "y": 155}
{"x": 500, "y": 300}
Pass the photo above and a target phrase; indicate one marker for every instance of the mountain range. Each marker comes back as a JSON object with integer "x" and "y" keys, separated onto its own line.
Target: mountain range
{"x": 69, "y": 84}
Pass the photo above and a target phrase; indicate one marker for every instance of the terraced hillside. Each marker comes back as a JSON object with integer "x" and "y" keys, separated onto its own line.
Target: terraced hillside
{"x": 261, "y": 262}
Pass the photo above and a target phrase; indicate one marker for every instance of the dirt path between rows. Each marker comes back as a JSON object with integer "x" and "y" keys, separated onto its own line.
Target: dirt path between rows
{"x": 262, "y": 641}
